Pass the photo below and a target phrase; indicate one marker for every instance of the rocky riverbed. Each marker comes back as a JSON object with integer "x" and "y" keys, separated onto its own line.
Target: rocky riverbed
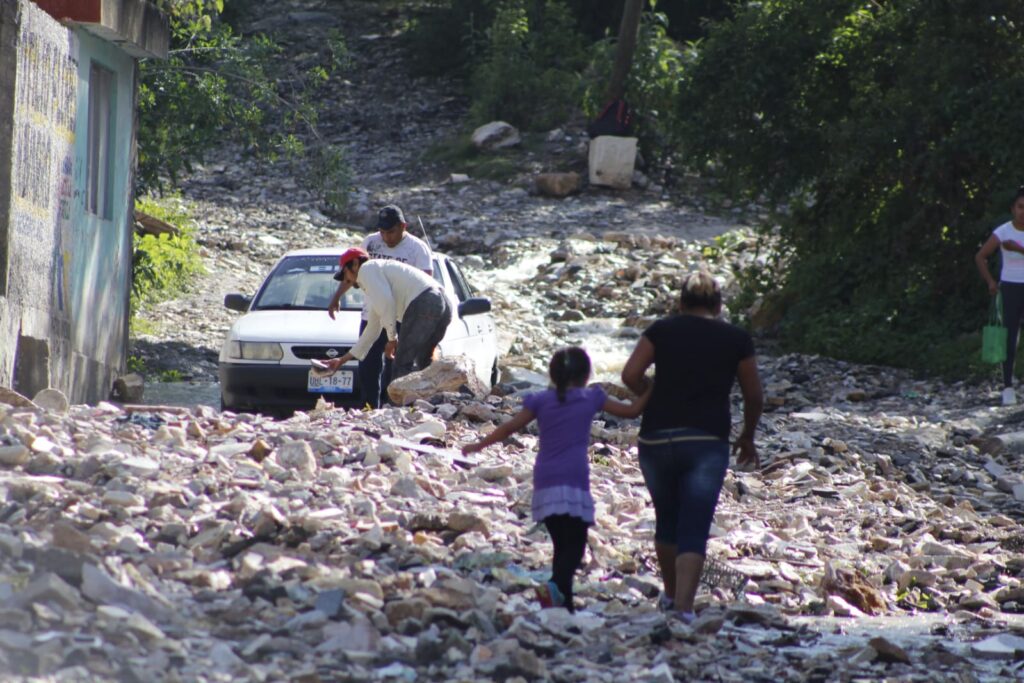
{"x": 881, "y": 539}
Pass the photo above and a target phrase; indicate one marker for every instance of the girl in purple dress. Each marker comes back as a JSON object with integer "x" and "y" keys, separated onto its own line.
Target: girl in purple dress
{"x": 561, "y": 473}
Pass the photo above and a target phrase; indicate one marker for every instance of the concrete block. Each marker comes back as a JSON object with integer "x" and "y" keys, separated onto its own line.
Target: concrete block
{"x": 611, "y": 161}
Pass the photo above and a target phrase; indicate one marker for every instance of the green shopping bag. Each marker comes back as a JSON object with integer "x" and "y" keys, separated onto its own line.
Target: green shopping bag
{"x": 993, "y": 335}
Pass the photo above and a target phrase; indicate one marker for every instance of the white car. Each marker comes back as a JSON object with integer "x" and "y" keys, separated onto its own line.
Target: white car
{"x": 265, "y": 360}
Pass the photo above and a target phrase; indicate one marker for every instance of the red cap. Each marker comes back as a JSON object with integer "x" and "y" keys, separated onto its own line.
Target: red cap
{"x": 353, "y": 254}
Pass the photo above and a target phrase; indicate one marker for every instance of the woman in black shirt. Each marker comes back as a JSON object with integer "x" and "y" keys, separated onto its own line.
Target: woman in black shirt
{"x": 684, "y": 433}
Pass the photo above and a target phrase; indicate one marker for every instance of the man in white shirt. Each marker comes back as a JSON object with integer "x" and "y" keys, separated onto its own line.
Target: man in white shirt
{"x": 389, "y": 241}
{"x": 395, "y": 292}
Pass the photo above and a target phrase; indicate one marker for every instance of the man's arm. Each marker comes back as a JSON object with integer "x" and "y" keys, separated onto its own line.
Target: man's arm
{"x": 367, "y": 338}
{"x": 335, "y": 303}
{"x": 380, "y": 300}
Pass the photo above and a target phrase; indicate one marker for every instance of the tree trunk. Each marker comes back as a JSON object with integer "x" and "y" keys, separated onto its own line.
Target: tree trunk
{"x": 629, "y": 29}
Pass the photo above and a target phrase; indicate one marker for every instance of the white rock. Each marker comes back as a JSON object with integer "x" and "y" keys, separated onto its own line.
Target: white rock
{"x": 495, "y": 135}
{"x": 298, "y": 457}
{"x": 123, "y": 499}
{"x": 13, "y": 456}
{"x": 1002, "y": 646}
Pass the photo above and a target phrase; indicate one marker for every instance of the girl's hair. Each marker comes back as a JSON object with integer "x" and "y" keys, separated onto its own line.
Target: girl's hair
{"x": 700, "y": 290}
{"x": 1018, "y": 195}
{"x": 569, "y": 366}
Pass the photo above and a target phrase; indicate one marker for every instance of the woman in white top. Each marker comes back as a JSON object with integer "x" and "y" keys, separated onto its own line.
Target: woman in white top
{"x": 1009, "y": 239}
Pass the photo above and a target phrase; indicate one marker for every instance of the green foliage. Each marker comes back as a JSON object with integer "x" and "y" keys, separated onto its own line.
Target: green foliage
{"x": 652, "y": 87}
{"x": 916, "y": 597}
{"x": 144, "y": 326}
{"x": 171, "y": 375}
{"x": 333, "y": 180}
{"x": 461, "y": 156}
{"x": 136, "y": 364}
{"x": 447, "y": 36}
{"x": 879, "y": 135}
{"x": 165, "y": 265}
{"x": 217, "y": 85}
{"x": 530, "y": 75}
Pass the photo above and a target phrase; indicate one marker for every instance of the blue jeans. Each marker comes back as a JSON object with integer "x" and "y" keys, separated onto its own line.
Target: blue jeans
{"x": 684, "y": 470}
{"x": 375, "y": 370}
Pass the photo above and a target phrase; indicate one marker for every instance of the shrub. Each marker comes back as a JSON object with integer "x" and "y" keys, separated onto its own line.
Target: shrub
{"x": 163, "y": 266}
{"x": 447, "y": 37}
{"x": 652, "y": 87}
{"x": 218, "y": 85}
{"x": 530, "y": 76}
{"x": 878, "y": 135}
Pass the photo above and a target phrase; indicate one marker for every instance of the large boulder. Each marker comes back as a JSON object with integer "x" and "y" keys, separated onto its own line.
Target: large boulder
{"x": 453, "y": 374}
{"x": 495, "y": 135}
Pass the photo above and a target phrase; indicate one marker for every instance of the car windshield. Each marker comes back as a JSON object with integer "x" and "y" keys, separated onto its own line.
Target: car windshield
{"x": 304, "y": 283}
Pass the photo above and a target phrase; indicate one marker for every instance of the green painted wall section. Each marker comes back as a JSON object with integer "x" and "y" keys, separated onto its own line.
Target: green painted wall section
{"x": 101, "y": 255}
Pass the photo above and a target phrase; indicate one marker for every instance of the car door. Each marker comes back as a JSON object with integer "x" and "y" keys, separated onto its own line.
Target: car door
{"x": 480, "y": 341}
{"x": 455, "y": 337}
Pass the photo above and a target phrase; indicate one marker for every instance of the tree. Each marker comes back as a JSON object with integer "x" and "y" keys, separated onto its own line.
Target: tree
{"x": 626, "y": 46}
{"x": 217, "y": 86}
{"x": 878, "y": 134}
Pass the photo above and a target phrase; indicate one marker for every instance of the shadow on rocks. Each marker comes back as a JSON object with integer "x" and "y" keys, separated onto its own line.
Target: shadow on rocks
{"x": 169, "y": 357}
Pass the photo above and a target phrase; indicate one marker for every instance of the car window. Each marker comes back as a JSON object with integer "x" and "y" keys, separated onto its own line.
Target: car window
{"x": 437, "y": 273}
{"x": 462, "y": 288}
{"x": 306, "y": 283}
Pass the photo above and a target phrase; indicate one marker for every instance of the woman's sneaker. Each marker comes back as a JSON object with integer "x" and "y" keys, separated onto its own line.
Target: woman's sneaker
{"x": 1009, "y": 397}
{"x": 549, "y": 596}
{"x": 679, "y": 615}
{"x": 665, "y": 603}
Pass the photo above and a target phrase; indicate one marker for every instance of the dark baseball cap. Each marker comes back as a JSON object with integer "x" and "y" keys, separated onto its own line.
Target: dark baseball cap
{"x": 389, "y": 217}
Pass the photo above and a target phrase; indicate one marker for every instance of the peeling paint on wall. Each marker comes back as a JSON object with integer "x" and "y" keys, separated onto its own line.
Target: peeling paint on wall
{"x": 43, "y": 149}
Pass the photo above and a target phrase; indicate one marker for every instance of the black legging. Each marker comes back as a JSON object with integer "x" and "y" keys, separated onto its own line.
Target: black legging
{"x": 569, "y": 536}
{"x": 1013, "y": 310}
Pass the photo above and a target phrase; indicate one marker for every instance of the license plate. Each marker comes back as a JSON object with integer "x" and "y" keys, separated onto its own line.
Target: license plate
{"x": 338, "y": 383}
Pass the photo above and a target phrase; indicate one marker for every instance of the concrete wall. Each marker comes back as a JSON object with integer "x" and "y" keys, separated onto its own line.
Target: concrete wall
{"x": 64, "y": 273}
{"x": 100, "y": 251}
{"x": 35, "y": 345}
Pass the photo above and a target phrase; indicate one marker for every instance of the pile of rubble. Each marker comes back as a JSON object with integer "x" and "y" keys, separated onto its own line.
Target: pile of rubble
{"x": 880, "y": 540}
{"x": 141, "y": 543}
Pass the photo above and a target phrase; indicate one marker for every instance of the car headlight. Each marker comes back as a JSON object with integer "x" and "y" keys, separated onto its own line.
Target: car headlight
{"x": 255, "y": 350}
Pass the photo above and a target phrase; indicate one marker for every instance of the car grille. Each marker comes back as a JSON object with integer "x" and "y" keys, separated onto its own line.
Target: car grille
{"x": 307, "y": 352}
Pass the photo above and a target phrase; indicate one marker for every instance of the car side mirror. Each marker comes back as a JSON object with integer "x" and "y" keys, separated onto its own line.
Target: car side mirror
{"x": 474, "y": 306}
{"x": 237, "y": 302}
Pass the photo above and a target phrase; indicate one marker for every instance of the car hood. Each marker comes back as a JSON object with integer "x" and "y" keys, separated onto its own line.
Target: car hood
{"x": 297, "y": 327}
